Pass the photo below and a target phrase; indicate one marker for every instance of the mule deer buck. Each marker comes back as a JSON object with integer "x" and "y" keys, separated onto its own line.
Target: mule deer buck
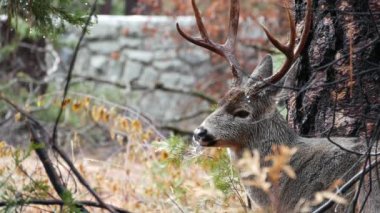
{"x": 247, "y": 119}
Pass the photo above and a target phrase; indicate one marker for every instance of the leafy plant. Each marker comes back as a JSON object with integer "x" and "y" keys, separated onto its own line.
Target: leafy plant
{"x": 44, "y": 18}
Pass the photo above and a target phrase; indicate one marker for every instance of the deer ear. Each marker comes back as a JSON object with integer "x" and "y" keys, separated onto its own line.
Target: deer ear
{"x": 264, "y": 69}
{"x": 281, "y": 89}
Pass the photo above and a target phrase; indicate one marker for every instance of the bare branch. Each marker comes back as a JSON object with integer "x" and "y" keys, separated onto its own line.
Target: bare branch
{"x": 71, "y": 68}
{"x": 59, "y": 203}
{"x": 41, "y": 137}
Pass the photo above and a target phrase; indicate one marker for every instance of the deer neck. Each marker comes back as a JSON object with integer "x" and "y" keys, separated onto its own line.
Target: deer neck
{"x": 266, "y": 133}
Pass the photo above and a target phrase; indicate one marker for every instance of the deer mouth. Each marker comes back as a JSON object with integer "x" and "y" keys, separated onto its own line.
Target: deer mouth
{"x": 205, "y": 141}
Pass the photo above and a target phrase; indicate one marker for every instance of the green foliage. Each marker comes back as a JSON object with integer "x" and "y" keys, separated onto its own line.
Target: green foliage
{"x": 6, "y": 50}
{"x": 44, "y": 18}
{"x": 7, "y": 195}
{"x": 172, "y": 153}
{"x": 175, "y": 148}
{"x": 37, "y": 189}
{"x": 20, "y": 155}
{"x": 218, "y": 165}
{"x": 223, "y": 175}
{"x": 69, "y": 202}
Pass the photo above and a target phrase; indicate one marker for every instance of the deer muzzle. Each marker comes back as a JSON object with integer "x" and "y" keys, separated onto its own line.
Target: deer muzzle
{"x": 203, "y": 138}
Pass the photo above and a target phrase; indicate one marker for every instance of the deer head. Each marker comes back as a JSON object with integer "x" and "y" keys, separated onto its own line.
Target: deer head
{"x": 247, "y": 112}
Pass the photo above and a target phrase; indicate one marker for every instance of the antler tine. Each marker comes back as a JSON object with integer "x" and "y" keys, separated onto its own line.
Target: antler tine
{"x": 226, "y": 50}
{"x": 197, "y": 41}
{"x": 273, "y": 40}
{"x": 204, "y": 41}
{"x": 233, "y": 24}
{"x": 198, "y": 18}
{"x": 288, "y": 50}
{"x": 293, "y": 34}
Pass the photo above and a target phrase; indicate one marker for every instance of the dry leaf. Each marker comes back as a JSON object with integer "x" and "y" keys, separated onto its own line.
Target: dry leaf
{"x": 18, "y": 117}
{"x": 280, "y": 162}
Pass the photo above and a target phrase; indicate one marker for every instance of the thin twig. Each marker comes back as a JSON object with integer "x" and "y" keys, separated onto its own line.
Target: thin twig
{"x": 71, "y": 68}
{"x": 60, "y": 203}
{"x": 346, "y": 187}
{"x": 39, "y": 141}
{"x": 242, "y": 203}
{"x": 175, "y": 203}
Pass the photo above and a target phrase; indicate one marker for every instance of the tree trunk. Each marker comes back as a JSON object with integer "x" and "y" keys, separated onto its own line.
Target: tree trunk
{"x": 339, "y": 74}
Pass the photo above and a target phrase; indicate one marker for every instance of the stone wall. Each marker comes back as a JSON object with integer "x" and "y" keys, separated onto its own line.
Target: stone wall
{"x": 147, "y": 51}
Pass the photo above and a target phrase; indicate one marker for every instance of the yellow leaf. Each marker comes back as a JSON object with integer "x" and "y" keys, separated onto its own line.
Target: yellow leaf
{"x": 114, "y": 187}
{"x": 77, "y": 106}
{"x": 280, "y": 162}
{"x": 40, "y": 101}
{"x": 289, "y": 171}
{"x": 332, "y": 196}
{"x": 136, "y": 126}
{"x": 66, "y": 102}
{"x": 82, "y": 168}
{"x": 86, "y": 102}
{"x": 147, "y": 135}
{"x": 319, "y": 197}
{"x": 124, "y": 124}
{"x": 113, "y": 113}
{"x": 3, "y": 144}
{"x": 112, "y": 134}
{"x": 18, "y": 117}
{"x": 104, "y": 115}
{"x": 164, "y": 155}
{"x": 95, "y": 113}
{"x": 251, "y": 171}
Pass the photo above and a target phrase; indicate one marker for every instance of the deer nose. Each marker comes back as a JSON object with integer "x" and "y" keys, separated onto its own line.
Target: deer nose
{"x": 200, "y": 133}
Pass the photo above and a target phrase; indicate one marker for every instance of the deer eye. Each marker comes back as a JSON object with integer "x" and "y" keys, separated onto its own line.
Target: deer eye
{"x": 241, "y": 114}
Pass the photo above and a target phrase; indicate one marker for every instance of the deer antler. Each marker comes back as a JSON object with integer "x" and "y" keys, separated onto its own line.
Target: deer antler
{"x": 227, "y": 49}
{"x": 291, "y": 52}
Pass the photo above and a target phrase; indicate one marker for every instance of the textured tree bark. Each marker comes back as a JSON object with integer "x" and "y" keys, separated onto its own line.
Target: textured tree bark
{"x": 339, "y": 73}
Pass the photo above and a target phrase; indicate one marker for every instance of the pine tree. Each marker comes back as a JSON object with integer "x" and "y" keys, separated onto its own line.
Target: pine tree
{"x": 25, "y": 25}
{"x": 44, "y": 18}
